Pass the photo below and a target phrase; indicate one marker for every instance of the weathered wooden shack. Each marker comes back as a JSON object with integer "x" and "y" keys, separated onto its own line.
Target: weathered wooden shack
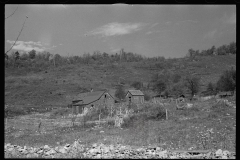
{"x": 135, "y": 96}
{"x": 90, "y": 100}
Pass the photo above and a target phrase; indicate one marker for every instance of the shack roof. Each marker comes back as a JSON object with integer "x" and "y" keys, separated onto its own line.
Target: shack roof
{"x": 88, "y": 98}
{"x": 136, "y": 92}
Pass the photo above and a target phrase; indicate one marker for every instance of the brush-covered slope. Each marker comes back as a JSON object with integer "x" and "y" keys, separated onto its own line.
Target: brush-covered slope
{"x": 57, "y": 86}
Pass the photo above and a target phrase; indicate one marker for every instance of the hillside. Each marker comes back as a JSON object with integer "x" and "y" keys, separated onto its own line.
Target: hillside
{"x": 56, "y": 86}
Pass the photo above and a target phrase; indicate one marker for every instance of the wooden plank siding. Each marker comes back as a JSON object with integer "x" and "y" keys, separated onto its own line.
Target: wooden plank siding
{"x": 131, "y": 98}
{"x": 88, "y": 102}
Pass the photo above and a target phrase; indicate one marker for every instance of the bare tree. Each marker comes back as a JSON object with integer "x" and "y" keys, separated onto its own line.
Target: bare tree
{"x": 17, "y": 36}
{"x": 12, "y": 13}
{"x": 192, "y": 84}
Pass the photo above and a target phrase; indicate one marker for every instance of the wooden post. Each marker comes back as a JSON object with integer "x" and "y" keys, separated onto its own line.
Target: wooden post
{"x": 166, "y": 115}
{"x": 39, "y": 127}
{"x": 77, "y": 109}
{"x": 111, "y": 110}
{"x": 6, "y": 122}
{"x": 14, "y": 123}
{"x": 120, "y": 110}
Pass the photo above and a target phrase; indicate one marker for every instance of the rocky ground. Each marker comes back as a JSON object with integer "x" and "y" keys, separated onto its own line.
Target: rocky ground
{"x": 78, "y": 150}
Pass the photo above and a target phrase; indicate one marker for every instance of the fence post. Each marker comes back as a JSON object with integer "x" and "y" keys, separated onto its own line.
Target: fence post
{"x": 39, "y": 126}
{"x": 6, "y": 122}
{"x": 14, "y": 123}
{"x": 166, "y": 115}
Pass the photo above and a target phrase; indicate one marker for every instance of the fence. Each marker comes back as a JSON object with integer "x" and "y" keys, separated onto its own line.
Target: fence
{"x": 38, "y": 124}
{"x": 44, "y": 125}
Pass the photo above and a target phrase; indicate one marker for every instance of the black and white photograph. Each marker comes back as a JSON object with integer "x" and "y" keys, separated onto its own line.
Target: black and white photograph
{"x": 120, "y": 80}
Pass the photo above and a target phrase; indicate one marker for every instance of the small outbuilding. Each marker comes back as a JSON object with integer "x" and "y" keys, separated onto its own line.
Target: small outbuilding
{"x": 135, "y": 96}
{"x": 90, "y": 100}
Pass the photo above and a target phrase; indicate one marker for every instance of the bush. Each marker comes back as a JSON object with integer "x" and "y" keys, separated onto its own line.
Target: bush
{"x": 59, "y": 112}
{"x": 156, "y": 113}
{"x": 134, "y": 107}
{"x": 227, "y": 81}
{"x": 14, "y": 111}
{"x": 146, "y": 97}
{"x": 134, "y": 120}
{"x": 120, "y": 93}
{"x": 111, "y": 122}
{"x": 137, "y": 85}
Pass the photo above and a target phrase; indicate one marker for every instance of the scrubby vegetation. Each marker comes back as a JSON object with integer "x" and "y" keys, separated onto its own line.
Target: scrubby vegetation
{"x": 38, "y": 82}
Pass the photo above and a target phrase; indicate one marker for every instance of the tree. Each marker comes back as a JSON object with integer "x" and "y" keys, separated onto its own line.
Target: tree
{"x": 211, "y": 88}
{"x": 137, "y": 85}
{"x": 227, "y": 81}
{"x": 16, "y": 57}
{"x": 232, "y": 48}
{"x": 177, "y": 89}
{"x": 146, "y": 97}
{"x": 24, "y": 56}
{"x": 192, "y": 84}
{"x": 222, "y": 50}
{"x": 176, "y": 78}
{"x": 191, "y": 52}
{"x": 32, "y": 54}
{"x": 212, "y": 50}
{"x": 17, "y": 36}
{"x": 120, "y": 92}
{"x": 160, "y": 86}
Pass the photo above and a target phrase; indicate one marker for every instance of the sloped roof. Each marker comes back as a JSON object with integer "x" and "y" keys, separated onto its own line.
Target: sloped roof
{"x": 136, "y": 92}
{"x": 112, "y": 93}
{"x": 89, "y": 97}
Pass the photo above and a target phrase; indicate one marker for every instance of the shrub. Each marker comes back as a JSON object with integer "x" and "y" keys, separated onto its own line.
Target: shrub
{"x": 110, "y": 122}
{"x": 156, "y": 113}
{"x": 134, "y": 120}
{"x": 134, "y": 107}
{"x": 146, "y": 97}
{"x": 137, "y": 85}
{"x": 14, "y": 111}
{"x": 59, "y": 112}
{"x": 120, "y": 93}
{"x": 227, "y": 81}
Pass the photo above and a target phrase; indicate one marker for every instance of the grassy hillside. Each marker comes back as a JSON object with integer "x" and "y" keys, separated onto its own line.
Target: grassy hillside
{"x": 56, "y": 86}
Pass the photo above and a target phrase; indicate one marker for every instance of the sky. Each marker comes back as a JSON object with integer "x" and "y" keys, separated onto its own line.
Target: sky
{"x": 149, "y": 30}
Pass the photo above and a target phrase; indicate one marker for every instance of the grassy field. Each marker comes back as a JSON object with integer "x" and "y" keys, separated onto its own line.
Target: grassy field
{"x": 207, "y": 125}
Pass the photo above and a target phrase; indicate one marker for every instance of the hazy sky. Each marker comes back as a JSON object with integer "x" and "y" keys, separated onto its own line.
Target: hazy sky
{"x": 150, "y": 30}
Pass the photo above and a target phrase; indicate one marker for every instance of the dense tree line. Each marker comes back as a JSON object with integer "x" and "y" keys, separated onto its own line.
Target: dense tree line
{"x": 231, "y": 48}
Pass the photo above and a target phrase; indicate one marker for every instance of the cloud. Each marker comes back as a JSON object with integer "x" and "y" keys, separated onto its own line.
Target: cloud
{"x": 157, "y": 31}
{"x": 115, "y": 29}
{"x": 153, "y": 25}
{"x": 210, "y": 34}
{"x": 168, "y": 22}
{"x": 186, "y": 21}
{"x": 30, "y": 45}
{"x": 149, "y": 32}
